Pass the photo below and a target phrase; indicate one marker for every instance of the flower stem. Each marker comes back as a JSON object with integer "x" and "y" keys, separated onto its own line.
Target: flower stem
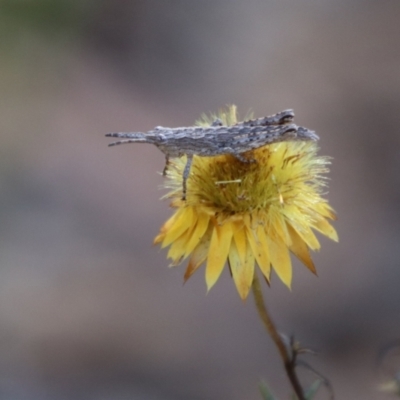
{"x": 289, "y": 361}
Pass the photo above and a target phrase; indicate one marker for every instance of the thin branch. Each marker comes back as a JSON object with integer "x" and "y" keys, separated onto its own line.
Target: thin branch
{"x": 289, "y": 360}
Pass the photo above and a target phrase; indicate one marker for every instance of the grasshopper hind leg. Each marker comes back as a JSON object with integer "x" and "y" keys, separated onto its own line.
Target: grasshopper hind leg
{"x": 186, "y": 173}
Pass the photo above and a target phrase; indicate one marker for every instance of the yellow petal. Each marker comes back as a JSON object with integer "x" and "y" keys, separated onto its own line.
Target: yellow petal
{"x": 277, "y": 226}
{"x": 325, "y": 210}
{"x": 308, "y": 236}
{"x": 326, "y": 229}
{"x": 259, "y": 245}
{"x": 160, "y": 237}
{"x": 200, "y": 229}
{"x": 280, "y": 260}
{"x": 234, "y": 259}
{"x": 165, "y": 228}
{"x": 200, "y": 253}
{"x": 242, "y": 272}
{"x": 300, "y": 250}
{"x": 182, "y": 223}
{"x": 217, "y": 255}
{"x": 239, "y": 236}
{"x": 177, "y": 250}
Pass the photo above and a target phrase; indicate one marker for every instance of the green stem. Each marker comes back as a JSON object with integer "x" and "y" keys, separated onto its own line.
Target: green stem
{"x": 289, "y": 361}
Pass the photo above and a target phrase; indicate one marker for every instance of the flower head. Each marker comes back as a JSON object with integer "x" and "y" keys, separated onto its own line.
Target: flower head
{"x": 247, "y": 214}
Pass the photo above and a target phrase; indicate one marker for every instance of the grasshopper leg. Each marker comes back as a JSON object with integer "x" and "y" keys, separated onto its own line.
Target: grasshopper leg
{"x": 166, "y": 165}
{"x": 186, "y": 172}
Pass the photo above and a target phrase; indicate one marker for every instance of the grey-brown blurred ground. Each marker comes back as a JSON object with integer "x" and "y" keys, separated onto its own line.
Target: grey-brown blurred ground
{"x": 88, "y": 309}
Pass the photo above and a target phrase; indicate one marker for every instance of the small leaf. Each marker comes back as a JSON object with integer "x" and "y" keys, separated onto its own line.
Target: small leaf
{"x": 312, "y": 390}
{"x": 266, "y": 393}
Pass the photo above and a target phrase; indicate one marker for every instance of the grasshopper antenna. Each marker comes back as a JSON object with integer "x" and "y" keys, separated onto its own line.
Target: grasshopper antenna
{"x": 129, "y": 137}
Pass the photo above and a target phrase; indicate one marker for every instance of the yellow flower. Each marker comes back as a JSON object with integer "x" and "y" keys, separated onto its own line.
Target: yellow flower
{"x": 248, "y": 213}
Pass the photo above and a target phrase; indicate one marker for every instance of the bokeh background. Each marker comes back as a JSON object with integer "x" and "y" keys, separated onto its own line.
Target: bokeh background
{"x": 88, "y": 308}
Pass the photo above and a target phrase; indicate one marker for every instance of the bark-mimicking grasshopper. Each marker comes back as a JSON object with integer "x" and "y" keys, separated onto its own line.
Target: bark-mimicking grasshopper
{"x": 219, "y": 139}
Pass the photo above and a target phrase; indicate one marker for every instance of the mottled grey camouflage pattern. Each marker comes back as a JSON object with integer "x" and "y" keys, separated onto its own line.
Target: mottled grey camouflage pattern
{"x": 219, "y": 139}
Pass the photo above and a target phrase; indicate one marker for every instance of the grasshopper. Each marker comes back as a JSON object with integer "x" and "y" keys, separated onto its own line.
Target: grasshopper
{"x": 219, "y": 139}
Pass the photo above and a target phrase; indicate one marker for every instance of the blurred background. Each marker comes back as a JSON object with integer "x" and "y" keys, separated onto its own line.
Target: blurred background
{"x": 88, "y": 308}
